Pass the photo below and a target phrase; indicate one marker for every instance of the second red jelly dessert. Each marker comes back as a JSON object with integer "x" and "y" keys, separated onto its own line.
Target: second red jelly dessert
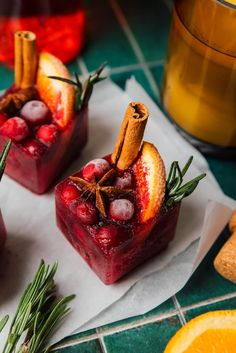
{"x": 120, "y": 210}
{"x": 45, "y": 114}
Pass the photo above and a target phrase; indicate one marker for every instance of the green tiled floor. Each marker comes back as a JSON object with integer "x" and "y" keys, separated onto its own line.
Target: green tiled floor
{"x": 146, "y": 338}
{"x": 132, "y": 37}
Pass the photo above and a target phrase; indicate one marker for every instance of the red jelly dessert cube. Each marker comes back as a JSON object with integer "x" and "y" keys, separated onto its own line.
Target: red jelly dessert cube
{"x": 46, "y": 118}
{"x": 119, "y": 211}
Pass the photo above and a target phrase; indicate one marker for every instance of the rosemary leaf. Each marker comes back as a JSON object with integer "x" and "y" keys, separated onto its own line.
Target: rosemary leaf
{"x": 188, "y": 185}
{"x": 3, "y": 157}
{"x": 38, "y": 314}
{"x": 175, "y": 191}
{"x": 177, "y": 181}
{"x": 66, "y": 80}
{"x": 172, "y": 174}
{"x": 83, "y": 91}
{"x": 187, "y": 165}
{"x": 3, "y": 322}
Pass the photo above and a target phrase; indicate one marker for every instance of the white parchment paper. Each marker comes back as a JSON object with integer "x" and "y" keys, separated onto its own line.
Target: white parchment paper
{"x": 32, "y": 233}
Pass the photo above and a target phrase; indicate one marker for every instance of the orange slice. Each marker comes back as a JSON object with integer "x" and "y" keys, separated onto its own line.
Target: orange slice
{"x": 59, "y": 96}
{"x": 149, "y": 171}
{"x": 213, "y": 332}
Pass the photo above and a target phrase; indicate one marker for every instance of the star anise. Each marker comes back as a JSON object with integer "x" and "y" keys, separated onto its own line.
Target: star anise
{"x": 100, "y": 189}
{"x": 14, "y": 101}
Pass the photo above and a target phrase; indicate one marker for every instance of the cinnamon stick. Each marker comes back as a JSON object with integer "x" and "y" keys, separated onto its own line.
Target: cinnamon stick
{"x": 18, "y": 58}
{"x": 25, "y": 59}
{"x": 130, "y": 135}
{"x": 29, "y": 60}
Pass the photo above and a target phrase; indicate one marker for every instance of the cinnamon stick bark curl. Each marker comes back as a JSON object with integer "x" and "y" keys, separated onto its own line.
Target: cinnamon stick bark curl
{"x": 130, "y": 135}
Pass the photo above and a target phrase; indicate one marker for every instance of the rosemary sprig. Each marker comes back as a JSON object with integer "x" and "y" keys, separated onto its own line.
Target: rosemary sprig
{"x": 83, "y": 90}
{"x": 175, "y": 191}
{"x": 38, "y": 313}
{"x": 3, "y": 157}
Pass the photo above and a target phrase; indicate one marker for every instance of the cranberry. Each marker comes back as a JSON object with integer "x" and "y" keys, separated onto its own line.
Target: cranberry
{"x": 3, "y": 118}
{"x": 70, "y": 193}
{"x": 36, "y": 112}
{"x": 95, "y": 169}
{"x": 123, "y": 182}
{"x": 87, "y": 213}
{"x": 47, "y": 133}
{"x": 110, "y": 236}
{"x": 121, "y": 210}
{"x": 15, "y": 128}
{"x": 34, "y": 148}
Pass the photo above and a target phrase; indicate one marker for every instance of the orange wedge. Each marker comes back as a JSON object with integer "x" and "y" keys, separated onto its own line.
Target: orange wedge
{"x": 59, "y": 96}
{"x": 213, "y": 332}
{"x": 149, "y": 171}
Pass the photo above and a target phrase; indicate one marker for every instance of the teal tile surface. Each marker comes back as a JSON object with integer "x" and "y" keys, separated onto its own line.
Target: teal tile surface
{"x": 229, "y": 304}
{"x": 206, "y": 283}
{"x": 77, "y": 336}
{"x": 106, "y": 40}
{"x": 157, "y": 73}
{"x": 166, "y": 307}
{"x": 74, "y": 67}
{"x": 85, "y": 347}
{"x": 150, "y": 23}
{"x": 225, "y": 173}
{"x": 150, "y": 338}
{"x": 6, "y": 77}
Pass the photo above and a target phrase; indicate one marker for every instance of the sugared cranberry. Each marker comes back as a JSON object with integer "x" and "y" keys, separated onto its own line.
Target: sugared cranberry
{"x": 34, "y": 148}
{"x": 121, "y": 210}
{"x": 3, "y": 118}
{"x": 87, "y": 213}
{"x": 36, "y": 112}
{"x": 15, "y": 128}
{"x": 95, "y": 169}
{"x": 123, "y": 182}
{"x": 47, "y": 133}
{"x": 70, "y": 193}
{"x": 110, "y": 236}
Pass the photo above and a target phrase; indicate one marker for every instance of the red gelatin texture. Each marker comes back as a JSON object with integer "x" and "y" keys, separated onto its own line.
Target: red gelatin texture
{"x": 37, "y": 161}
{"x": 59, "y": 26}
{"x": 113, "y": 248}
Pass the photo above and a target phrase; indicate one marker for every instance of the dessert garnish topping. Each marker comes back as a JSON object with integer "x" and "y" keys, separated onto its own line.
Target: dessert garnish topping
{"x": 130, "y": 135}
{"x": 175, "y": 190}
{"x": 83, "y": 91}
{"x": 39, "y": 312}
{"x": 13, "y": 102}
{"x": 25, "y": 73}
{"x": 101, "y": 188}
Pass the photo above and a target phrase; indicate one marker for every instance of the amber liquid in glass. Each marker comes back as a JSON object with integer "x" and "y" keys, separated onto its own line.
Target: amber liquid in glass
{"x": 58, "y": 24}
{"x": 200, "y": 87}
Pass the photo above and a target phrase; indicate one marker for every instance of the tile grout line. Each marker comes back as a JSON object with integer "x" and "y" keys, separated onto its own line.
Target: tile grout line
{"x": 127, "y": 68}
{"x": 73, "y": 342}
{"x": 134, "y": 44}
{"x": 209, "y": 301}
{"x": 180, "y": 312}
{"x": 152, "y": 319}
{"x": 101, "y": 342}
{"x": 112, "y": 330}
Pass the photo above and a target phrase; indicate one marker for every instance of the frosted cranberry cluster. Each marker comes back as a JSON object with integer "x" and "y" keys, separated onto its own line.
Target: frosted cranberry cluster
{"x": 32, "y": 127}
{"x": 119, "y": 210}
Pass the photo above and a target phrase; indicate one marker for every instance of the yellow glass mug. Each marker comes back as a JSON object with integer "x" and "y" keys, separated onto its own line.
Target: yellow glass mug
{"x": 199, "y": 91}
